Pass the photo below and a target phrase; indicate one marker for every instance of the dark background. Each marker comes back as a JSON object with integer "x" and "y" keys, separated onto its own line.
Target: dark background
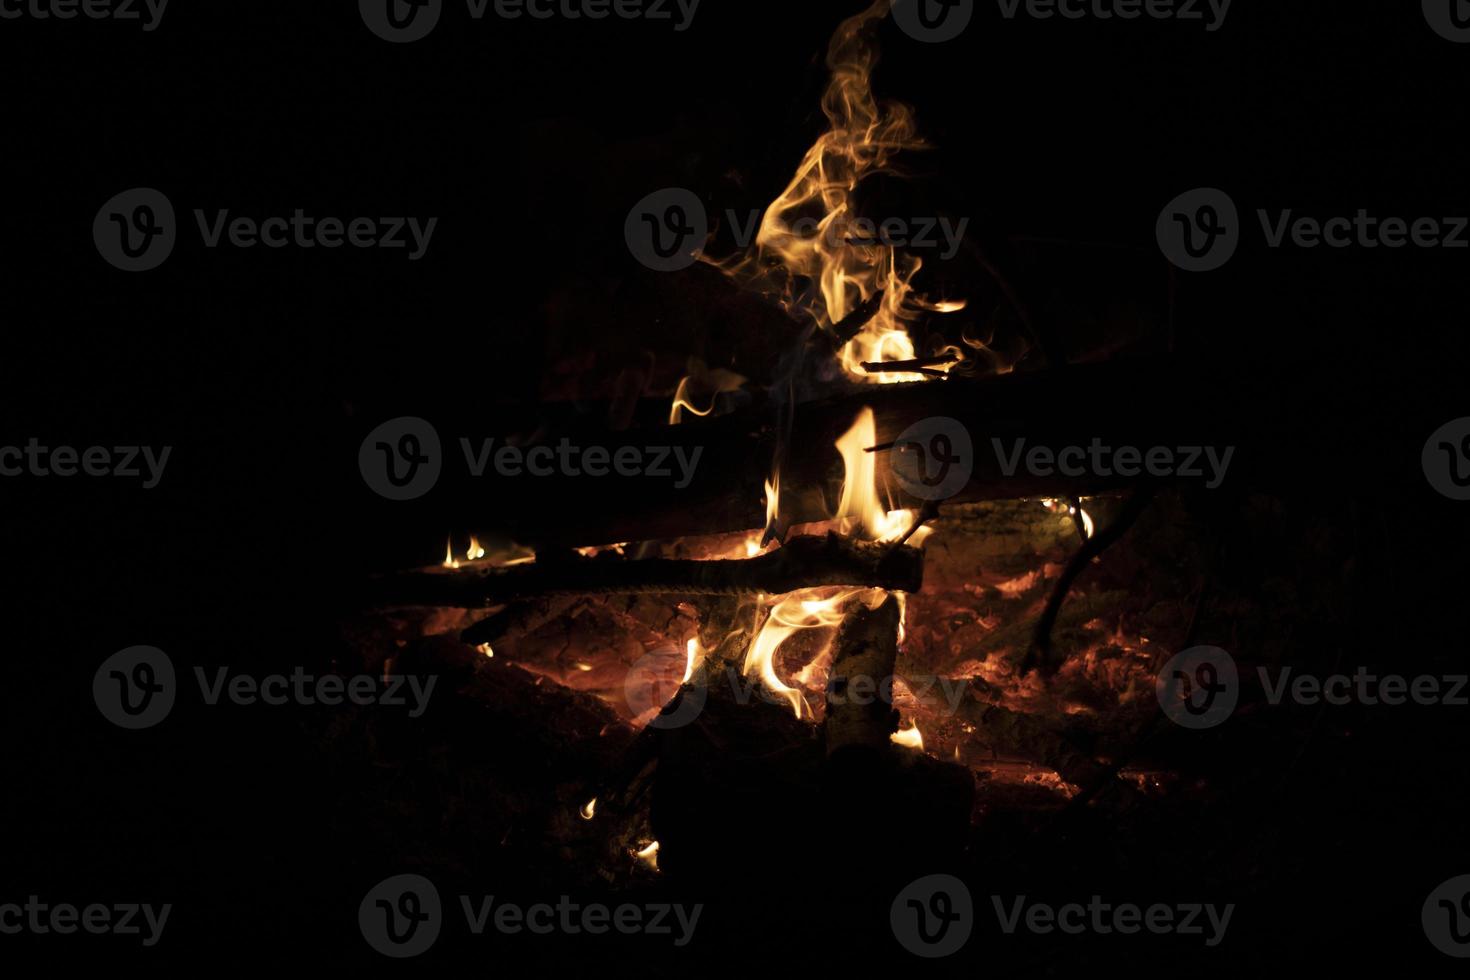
{"x": 530, "y": 141}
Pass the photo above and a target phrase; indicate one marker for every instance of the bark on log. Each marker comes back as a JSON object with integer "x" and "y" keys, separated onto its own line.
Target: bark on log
{"x": 802, "y": 562}
{"x": 860, "y": 710}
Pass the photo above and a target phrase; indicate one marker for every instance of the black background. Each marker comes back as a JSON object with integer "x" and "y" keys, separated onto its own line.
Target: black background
{"x": 530, "y": 141}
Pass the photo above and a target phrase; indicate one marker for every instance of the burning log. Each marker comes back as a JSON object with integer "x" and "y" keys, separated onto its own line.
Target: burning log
{"x": 803, "y": 562}
{"x": 859, "y": 711}
{"x": 726, "y": 490}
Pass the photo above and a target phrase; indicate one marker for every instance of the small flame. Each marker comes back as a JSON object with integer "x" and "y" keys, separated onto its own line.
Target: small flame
{"x": 773, "y": 505}
{"x": 589, "y": 809}
{"x": 449, "y": 560}
{"x": 910, "y": 738}
{"x": 694, "y": 656}
{"x": 474, "y": 552}
{"x": 649, "y": 855}
{"x": 486, "y": 649}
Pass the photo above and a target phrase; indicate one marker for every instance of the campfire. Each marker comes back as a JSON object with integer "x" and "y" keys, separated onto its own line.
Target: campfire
{"x": 849, "y": 610}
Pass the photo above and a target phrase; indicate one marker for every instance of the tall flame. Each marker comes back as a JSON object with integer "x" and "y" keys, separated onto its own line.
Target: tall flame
{"x": 814, "y": 235}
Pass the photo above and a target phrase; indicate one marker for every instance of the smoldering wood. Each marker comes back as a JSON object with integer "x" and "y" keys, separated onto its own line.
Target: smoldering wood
{"x": 803, "y": 562}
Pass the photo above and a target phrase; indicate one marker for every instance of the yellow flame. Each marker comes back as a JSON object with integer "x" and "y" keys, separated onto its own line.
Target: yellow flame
{"x": 859, "y": 500}
{"x": 804, "y": 609}
{"x": 693, "y": 655}
{"x": 649, "y": 855}
{"x": 910, "y": 738}
{"x": 773, "y": 501}
{"x": 589, "y": 809}
{"x": 813, "y": 233}
{"x": 486, "y": 649}
{"x": 449, "y": 560}
{"x": 474, "y": 551}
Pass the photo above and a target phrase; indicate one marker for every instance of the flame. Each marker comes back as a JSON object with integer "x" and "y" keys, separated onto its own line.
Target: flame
{"x": 717, "y": 381}
{"x": 910, "y": 738}
{"x": 1072, "y": 510}
{"x": 588, "y": 810}
{"x": 804, "y": 609}
{"x": 773, "y": 505}
{"x": 694, "y": 656}
{"x": 449, "y": 560}
{"x": 474, "y": 551}
{"x": 812, "y": 234}
{"x": 649, "y": 855}
{"x": 486, "y": 649}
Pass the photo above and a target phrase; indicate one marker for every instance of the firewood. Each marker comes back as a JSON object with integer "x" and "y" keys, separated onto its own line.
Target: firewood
{"x": 860, "y": 711}
{"x": 803, "y": 562}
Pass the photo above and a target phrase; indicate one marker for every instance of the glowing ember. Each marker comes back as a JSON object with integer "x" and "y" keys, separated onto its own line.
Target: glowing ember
{"x": 486, "y": 649}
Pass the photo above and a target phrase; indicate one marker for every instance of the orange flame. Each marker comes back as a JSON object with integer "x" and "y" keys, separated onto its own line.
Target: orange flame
{"x": 813, "y": 232}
